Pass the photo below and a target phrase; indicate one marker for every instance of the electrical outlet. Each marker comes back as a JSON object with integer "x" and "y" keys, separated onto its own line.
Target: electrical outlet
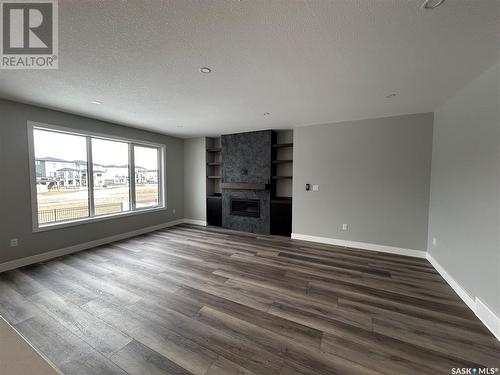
{"x": 434, "y": 241}
{"x": 14, "y": 242}
{"x": 345, "y": 227}
{"x": 315, "y": 187}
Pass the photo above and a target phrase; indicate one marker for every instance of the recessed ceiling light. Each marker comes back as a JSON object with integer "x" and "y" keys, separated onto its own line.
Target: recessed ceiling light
{"x": 267, "y": 114}
{"x": 390, "y": 96}
{"x": 205, "y": 70}
{"x": 431, "y": 4}
{"x": 97, "y": 102}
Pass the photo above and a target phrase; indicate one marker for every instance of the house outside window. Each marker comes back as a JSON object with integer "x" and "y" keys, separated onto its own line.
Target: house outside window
{"x": 63, "y": 159}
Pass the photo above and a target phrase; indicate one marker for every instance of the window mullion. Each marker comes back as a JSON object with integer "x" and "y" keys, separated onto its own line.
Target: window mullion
{"x": 159, "y": 177}
{"x": 90, "y": 177}
{"x": 131, "y": 157}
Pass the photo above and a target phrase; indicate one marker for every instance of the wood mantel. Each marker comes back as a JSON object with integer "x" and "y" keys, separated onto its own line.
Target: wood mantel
{"x": 244, "y": 186}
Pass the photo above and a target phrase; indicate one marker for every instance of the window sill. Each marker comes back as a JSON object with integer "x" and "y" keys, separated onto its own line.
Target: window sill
{"x": 72, "y": 223}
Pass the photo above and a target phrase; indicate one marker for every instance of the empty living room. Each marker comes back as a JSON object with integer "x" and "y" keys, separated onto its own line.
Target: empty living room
{"x": 249, "y": 187}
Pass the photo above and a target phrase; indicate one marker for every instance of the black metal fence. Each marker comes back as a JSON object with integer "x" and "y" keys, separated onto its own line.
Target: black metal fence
{"x": 71, "y": 213}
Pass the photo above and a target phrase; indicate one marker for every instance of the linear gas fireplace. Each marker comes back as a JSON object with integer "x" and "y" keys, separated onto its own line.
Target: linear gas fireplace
{"x": 245, "y": 207}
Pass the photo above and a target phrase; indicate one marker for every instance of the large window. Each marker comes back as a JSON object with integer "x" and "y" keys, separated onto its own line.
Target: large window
{"x": 80, "y": 177}
{"x": 147, "y": 189}
{"x": 111, "y": 176}
{"x": 61, "y": 163}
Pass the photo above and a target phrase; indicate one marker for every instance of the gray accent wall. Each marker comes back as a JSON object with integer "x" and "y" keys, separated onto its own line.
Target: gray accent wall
{"x": 372, "y": 174}
{"x": 246, "y": 158}
{"x": 464, "y": 213}
{"x": 15, "y": 198}
{"x": 195, "y": 182}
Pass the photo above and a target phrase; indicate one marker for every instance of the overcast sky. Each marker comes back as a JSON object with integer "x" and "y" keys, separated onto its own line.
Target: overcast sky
{"x": 73, "y": 147}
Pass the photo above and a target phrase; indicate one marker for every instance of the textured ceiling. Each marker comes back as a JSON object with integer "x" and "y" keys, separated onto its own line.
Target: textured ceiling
{"x": 305, "y": 62}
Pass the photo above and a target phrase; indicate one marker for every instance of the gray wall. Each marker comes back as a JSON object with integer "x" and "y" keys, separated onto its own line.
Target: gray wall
{"x": 194, "y": 179}
{"x": 372, "y": 174}
{"x": 465, "y": 197}
{"x": 15, "y": 201}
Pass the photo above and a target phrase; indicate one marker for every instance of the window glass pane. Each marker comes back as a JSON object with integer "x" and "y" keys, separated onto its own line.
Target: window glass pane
{"x": 111, "y": 176}
{"x": 146, "y": 176}
{"x": 61, "y": 183}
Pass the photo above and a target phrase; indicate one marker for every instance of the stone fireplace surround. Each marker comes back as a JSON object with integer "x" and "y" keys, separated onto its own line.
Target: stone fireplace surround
{"x": 246, "y": 174}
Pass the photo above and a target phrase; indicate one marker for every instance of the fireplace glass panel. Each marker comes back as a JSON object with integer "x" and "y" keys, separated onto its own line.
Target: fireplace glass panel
{"x": 245, "y": 207}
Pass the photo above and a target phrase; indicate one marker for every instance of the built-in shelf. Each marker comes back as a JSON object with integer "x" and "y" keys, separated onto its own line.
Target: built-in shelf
{"x": 213, "y": 172}
{"x": 282, "y": 145}
{"x": 244, "y": 186}
{"x": 282, "y": 200}
{"x": 281, "y": 183}
{"x": 214, "y": 196}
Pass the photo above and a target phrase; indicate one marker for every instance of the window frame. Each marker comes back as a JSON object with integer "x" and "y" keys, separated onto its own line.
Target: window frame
{"x": 32, "y": 125}
{"x": 133, "y": 202}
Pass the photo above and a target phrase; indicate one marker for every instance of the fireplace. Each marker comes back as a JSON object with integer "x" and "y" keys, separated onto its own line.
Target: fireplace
{"x": 245, "y": 185}
{"x": 245, "y": 207}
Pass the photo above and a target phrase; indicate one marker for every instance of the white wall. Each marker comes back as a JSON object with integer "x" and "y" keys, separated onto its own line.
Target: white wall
{"x": 465, "y": 188}
{"x": 195, "y": 179}
{"x": 372, "y": 174}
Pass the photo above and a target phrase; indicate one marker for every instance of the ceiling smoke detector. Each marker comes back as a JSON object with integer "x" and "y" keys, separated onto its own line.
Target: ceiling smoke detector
{"x": 96, "y": 102}
{"x": 205, "y": 70}
{"x": 431, "y": 4}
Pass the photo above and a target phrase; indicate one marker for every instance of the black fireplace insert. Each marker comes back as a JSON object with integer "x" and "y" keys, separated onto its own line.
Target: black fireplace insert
{"x": 245, "y": 207}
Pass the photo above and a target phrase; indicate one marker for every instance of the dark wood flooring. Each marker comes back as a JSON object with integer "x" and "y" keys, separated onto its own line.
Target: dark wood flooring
{"x": 206, "y": 301}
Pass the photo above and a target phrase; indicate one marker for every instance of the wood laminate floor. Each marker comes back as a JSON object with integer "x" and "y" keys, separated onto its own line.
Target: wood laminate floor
{"x": 206, "y": 301}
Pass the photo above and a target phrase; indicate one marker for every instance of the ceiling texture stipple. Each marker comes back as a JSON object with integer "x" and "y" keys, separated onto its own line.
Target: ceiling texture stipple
{"x": 306, "y": 62}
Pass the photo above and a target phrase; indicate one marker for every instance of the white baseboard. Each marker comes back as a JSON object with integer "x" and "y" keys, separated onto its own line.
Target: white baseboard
{"x": 488, "y": 317}
{"x": 361, "y": 245}
{"x": 196, "y": 222}
{"x": 462, "y": 293}
{"x": 482, "y": 311}
{"x": 16, "y": 263}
